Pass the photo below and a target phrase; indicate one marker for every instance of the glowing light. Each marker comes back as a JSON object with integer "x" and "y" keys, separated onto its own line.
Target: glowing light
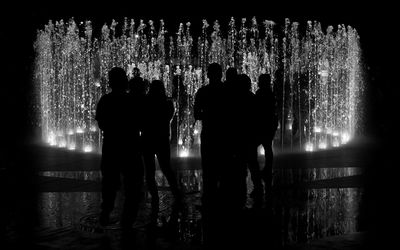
{"x": 79, "y": 131}
{"x": 87, "y": 148}
{"x": 180, "y": 142}
{"x": 195, "y": 132}
{"x": 184, "y": 153}
{"x": 261, "y": 150}
{"x": 317, "y": 129}
{"x": 335, "y": 133}
{"x": 51, "y": 139}
{"x": 93, "y": 128}
{"x": 323, "y": 73}
{"x": 309, "y": 147}
{"x": 70, "y": 132}
{"x": 97, "y": 83}
{"x": 335, "y": 143}
{"x": 322, "y": 145}
{"x": 71, "y": 147}
{"x": 345, "y": 138}
{"x": 62, "y": 144}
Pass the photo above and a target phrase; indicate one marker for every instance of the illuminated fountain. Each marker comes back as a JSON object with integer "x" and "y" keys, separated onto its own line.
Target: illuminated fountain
{"x": 315, "y": 76}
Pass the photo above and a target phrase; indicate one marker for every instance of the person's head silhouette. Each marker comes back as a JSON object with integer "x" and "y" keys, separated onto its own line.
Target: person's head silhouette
{"x": 244, "y": 82}
{"x": 157, "y": 89}
{"x": 136, "y": 72}
{"x": 214, "y": 73}
{"x": 231, "y": 74}
{"x": 118, "y": 80}
{"x": 264, "y": 81}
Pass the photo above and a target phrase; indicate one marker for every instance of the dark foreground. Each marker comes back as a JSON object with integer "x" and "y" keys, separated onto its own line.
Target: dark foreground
{"x": 52, "y": 197}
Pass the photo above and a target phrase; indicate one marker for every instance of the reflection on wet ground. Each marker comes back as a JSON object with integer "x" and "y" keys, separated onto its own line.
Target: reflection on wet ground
{"x": 304, "y": 214}
{"x": 314, "y": 196}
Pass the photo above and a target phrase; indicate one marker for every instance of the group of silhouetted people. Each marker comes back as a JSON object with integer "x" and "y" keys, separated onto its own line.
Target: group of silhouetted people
{"x": 235, "y": 121}
{"x": 135, "y": 124}
{"x": 136, "y": 129}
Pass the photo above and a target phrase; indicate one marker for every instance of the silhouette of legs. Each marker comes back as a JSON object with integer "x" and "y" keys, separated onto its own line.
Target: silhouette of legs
{"x": 254, "y": 167}
{"x": 110, "y": 186}
{"x": 233, "y": 186}
{"x": 210, "y": 204}
{"x": 162, "y": 151}
{"x": 164, "y": 160}
{"x": 132, "y": 183}
{"x": 267, "y": 171}
{"x": 150, "y": 167}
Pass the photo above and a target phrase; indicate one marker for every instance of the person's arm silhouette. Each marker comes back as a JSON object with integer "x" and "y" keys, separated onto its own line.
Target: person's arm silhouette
{"x": 170, "y": 109}
{"x": 100, "y": 114}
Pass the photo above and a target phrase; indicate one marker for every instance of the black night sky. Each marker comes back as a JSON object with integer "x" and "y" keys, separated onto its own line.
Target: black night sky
{"x": 374, "y": 23}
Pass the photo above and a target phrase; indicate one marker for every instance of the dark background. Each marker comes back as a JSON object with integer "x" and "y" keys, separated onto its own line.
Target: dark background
{"x": 375, "y": 24}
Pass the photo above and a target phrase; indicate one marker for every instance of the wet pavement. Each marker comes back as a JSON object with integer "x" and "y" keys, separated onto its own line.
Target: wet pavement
{"x": 315, "y": 204}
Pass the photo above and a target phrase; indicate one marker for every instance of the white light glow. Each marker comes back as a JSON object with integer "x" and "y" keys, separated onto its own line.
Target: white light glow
{"x": 345, "y": 138}
{"x": 309, "y": 147}
{"x": 51, "y": 139}
{"x": 87, "y": 149}
{"x": 93, "y": 128}
{"x": 184, "y": 153}
{"x": 322, "y": 145}
{"x": 62, "y": 144}
{"x": 335, "y": 143}
{"x": 317, "y": 129}
{"x": 323, "y": 73}
{"x": 180, "y": 142}
{"x": 79, "y": 130}
{"x": 261, "y": 150}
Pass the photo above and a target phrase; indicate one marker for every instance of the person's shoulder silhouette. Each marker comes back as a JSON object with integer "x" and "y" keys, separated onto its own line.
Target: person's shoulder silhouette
{"x": 266, "y": 103}
{"x": 113, "y": 112}
{"x": 264, "y": 92}
{"x": 208, "y": 97}
{"x": 159, "y": 109}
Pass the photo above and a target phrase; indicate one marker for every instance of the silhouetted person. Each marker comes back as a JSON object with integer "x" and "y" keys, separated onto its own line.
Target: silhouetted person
{"x": 238, "y": 100}
{"x": 209, "y": 109}
{"x": 159, "y": 111}
{"x": 137, "y": 85}
{"x": 230, "y": 77}
{"x": 246, "y": 119}
{"x": 137, "y": 94}
{"x": 267, "y": 125}
{"x": 118, "y": 117}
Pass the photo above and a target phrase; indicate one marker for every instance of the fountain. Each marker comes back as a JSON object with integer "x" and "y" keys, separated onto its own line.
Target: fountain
{"x": 316, "y": 76}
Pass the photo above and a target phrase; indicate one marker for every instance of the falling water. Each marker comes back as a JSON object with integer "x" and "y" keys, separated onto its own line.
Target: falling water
{"x": 315, "y": 76}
